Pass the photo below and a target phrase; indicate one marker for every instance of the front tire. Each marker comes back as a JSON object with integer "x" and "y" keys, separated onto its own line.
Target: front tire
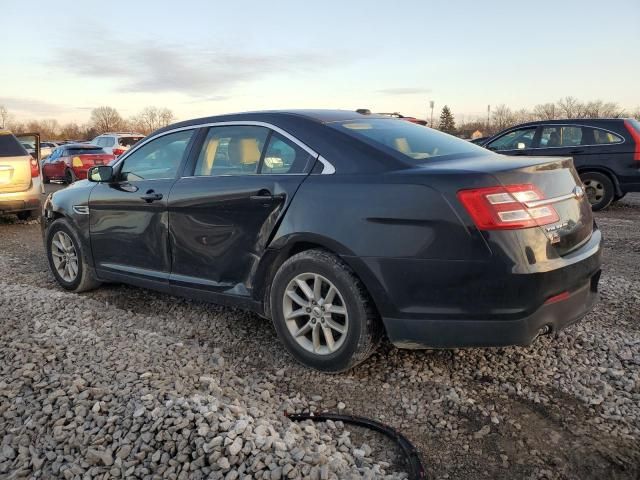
{"x": 322, "y": 312}
{"x": 67, "y": 258}
{"x": 599, "y": 188}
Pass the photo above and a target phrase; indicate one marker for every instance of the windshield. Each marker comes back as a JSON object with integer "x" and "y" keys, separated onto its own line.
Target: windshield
{"x": 85, "y": 151}
{"x": 9, "y": 146}
{"x": 416, "y": 142}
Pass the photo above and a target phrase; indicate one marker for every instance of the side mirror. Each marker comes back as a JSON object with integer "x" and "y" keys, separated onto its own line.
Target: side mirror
{"x": 101, "y": 173}
{"x": 521, "y": 146}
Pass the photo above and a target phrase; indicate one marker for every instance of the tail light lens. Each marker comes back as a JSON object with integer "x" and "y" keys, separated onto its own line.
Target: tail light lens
{"x": 118, "y": 151}
{"x": 504, "y": 208}
{"x": 76, "y": 162}
{"x": 635, "y": 134}
{"x": 35, "y": 168}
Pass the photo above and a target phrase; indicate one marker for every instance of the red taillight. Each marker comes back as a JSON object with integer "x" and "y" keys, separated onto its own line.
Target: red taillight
{"x": 118, "y": 151}
{"x": 635, "y": 134}
{"x": 504, "y": 208}
{"x": 35, "y": 169}
{"x": 557, "y": 298}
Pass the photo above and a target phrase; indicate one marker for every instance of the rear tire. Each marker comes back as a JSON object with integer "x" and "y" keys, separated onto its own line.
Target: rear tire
{"x": 336, "y": 323}
{"x": 599, "y": 188}
{"x": 64, "y": 248}
{"x": 69, "y": 177}
{"x": 26, "y": 215}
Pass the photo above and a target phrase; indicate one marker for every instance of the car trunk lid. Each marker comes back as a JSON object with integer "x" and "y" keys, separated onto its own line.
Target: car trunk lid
{"x": 90, "y": 159}
{"x": 557, "y": 185}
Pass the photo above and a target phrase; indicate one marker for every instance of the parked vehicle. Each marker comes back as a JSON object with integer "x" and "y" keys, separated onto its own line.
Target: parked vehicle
{"x": 337, "y": 226}
{"x": 479, "y": 140}
{"x": 606, "y": 152}
{"x": 70, "y": 162}
{"x": 20, "y": 185}
{"x": 117, "y": 143}
{"x": 46, "y": 148}
{"x": 366, "y": 111}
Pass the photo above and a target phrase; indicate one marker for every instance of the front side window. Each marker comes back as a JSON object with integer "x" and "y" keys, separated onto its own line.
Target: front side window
{"x": 602, "y": 137}
{"x": 160, "y": 158}
{"x": 232, "y": 150}
{"x": 515, "y": 140}
{"x": 415, "y": 142}
{"x": 283, "y": 156}
{"x": 557, "y": 136}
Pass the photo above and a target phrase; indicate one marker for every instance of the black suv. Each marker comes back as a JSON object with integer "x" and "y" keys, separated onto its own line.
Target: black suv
{"x": 606, "y": 152}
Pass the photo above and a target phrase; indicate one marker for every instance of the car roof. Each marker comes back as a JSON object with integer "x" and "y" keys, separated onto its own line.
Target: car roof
{"x": 581, "y": 121}
{"x": 314, "y": 115}
{"x": 121, "y": 134}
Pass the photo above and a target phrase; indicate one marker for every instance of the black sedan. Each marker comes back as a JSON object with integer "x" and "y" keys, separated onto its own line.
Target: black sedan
{"x": 339, "y": 227}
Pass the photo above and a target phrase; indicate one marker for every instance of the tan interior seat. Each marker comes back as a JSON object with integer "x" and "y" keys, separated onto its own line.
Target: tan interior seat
{"x": 209, "y": 157}
{"x": 402, "y": 145}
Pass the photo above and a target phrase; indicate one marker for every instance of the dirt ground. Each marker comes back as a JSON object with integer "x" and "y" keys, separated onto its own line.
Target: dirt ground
{"x": 566, "y": 407}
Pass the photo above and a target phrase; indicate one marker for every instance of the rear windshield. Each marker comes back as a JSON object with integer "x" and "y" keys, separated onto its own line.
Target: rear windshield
{"x": 10, "y": 146}
{"x": 128, "y": 141}
{"x": 416, "y": 142}
{"x": 85, "y": 151}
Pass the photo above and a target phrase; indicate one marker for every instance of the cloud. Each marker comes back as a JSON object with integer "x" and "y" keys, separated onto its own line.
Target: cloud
{"x": 31, "y": 106}
{"x": 404, "y": 91}
{"x": 194, "y": 70}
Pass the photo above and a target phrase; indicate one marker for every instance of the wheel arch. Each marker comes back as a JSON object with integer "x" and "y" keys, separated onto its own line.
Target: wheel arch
{"x": 605, "y": 171}
{"x": 284, "y": 249}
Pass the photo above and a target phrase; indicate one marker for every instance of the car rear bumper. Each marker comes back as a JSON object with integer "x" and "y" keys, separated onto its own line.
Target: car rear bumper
{"x": 20, "y": 201}
{"x": 460, "y": 333}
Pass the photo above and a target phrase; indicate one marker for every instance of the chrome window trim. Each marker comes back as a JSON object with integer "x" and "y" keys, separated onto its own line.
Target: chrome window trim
{"x": 328, "y": 168}
{"x": 543, "y": 125}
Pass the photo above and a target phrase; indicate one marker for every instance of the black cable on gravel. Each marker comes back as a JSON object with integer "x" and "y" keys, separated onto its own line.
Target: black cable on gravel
{"x": 416, "y": 469}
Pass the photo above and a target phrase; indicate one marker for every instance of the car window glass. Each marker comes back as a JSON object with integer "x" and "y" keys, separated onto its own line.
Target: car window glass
{"x": 514, "y": 140}
{"x": 128, "y": 141}
{"x": 160, "y": 158}
{"x": 283, "y": 156}
{"x": 557, "y": 136}
{"x": 602, "y": 137}
{"x": 233, "y": 150}
{"x": 109, "y": 142}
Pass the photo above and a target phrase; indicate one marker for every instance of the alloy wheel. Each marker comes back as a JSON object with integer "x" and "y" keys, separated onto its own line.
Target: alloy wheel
{"x": 595, "y": 190}
{"x": 315, "y": 313}
{"x": 65, "y": 256}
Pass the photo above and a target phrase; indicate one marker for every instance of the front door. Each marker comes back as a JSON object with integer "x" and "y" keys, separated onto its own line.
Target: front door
{"x": 221, "y": 218}
{"x": 128, "y": 217}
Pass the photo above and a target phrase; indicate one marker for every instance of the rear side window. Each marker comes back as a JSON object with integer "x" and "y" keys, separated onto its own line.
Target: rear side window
{"x": 128, "y": 141}
{"x": 415, "y": 142}
{"x": 108, "y": 141}
{"x": 560, "y": 136}
{"x": 85, "y": 151}
{"x": 602, "y": 137}
{"x": 282, "y": 156}
{"x": 10, "y": 146}
{"x": 234, "y": 150}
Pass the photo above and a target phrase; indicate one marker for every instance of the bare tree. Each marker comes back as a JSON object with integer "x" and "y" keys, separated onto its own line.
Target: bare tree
{"x": 47, "y": 128}
{"x": 545, "y": 111}
{"x": 598, "y": 108}
{"x": 106, "y": 119}
{"x": 636, "y": 113}
{"x": 502, "y": 117}
{"x": 4, "y": 116}
{"x": 71, "y": 131}
{"x": 570, "y": 107}
{"x": 150, "y": 119}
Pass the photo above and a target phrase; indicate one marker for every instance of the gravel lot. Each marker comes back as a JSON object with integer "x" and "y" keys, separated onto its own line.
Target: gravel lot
{"x": 123, "y": 382}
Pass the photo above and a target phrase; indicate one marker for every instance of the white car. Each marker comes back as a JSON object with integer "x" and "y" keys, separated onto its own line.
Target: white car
{"x": 117, "y": 143}
{"x": 20, "y": 183}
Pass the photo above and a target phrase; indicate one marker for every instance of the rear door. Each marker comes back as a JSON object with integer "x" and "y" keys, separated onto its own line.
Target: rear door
{"x": 222, "y": 214}
{"x": 519, "y": 141}
{"x": 15, "y": 164}
{"x": 128, "y": 217}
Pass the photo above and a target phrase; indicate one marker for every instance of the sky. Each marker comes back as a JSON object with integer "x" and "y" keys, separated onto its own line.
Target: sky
{"x": 61, "y": 59}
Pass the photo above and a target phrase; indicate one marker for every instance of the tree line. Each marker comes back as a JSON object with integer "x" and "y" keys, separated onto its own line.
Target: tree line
{"x": 103, "y": 119}
{"x": 502, "y": 116}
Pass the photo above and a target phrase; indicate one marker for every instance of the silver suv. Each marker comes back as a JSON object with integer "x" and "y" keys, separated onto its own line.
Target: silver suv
{"x": 117, "y": 143}
{"x": 20, "y": 183}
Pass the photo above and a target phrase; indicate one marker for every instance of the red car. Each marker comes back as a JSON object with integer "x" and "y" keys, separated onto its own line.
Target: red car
{"x": 70, "y": 162}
